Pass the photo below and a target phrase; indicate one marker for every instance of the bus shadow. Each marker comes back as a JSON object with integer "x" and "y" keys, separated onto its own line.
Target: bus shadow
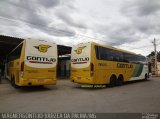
{"x": 35, "y": 88}
{"x": 102, "y": 87}
{"x": 30, "y": 88}
{"x": 91, "y": 87}
{"x": 134, "y": 82}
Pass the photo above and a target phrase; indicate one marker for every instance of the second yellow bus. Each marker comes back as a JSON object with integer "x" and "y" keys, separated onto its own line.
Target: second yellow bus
{"x": 92, "y": 63}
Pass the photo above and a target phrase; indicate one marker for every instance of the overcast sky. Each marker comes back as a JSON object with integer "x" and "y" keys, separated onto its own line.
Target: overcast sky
{"x": 126, "y": 24}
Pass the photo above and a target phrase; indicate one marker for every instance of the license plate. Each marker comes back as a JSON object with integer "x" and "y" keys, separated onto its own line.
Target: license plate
{"x": 79, "y": 78}
{"x": 40, "y": 80}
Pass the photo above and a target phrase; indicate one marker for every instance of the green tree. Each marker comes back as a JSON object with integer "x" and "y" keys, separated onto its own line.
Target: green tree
{"x": 152, "y": 54}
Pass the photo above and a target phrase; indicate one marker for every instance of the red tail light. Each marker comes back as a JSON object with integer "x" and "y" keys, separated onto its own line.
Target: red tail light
{"x": 22, "y": 66}
{"x": 92, "y": 69}
{"x": 22, "y": 69}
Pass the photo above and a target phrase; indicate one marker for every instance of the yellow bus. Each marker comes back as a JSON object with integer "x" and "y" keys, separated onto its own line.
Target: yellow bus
{"x": 32, "y": 63}
{"x": 92, "y": 63}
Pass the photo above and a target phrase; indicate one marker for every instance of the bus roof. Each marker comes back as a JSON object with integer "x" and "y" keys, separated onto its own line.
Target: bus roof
{"x": 40, "y": 40}
{"x": 113, "y": 48}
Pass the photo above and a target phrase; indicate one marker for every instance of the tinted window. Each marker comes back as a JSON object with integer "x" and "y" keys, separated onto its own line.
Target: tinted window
{"x": 15, "y": 54}
{"x": 108, "y": 54}
{"x": 113, "y": 55}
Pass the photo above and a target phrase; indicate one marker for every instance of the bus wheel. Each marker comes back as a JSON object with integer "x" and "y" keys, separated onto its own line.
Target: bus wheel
{"x": 13, "y": 82}
{"x": 145, "y": 77}
{"x": 119, "y": 81}
{"x": 112, "y": 81}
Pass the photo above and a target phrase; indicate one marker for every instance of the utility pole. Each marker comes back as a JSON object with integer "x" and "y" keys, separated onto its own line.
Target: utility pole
{"x": 155, "y": 56}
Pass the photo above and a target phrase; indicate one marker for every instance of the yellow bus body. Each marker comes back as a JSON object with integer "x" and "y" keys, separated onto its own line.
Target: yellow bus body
{"x": 103, "y": 69}
{"x": 30, "y": 76}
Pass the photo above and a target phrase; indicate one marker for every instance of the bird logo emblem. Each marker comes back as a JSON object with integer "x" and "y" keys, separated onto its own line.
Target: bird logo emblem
{"x": 79, "y": 49}
{"x": 42, "y": 48}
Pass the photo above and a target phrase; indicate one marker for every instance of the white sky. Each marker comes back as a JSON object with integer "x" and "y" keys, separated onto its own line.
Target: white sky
{"x": 127, "y": 24}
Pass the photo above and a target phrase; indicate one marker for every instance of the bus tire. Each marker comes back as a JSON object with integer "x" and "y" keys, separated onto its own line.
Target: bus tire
{"x": 13, "y": 82}
{"x": 112, "y": 81}
{"x": 146, "y": 77}
{"x": 119, "y": 81}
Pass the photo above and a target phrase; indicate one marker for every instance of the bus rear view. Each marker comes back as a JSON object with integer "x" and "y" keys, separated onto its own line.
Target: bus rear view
{"x": 81, "y": 66}
{"x": 40, "y": 63}
{"x": 32, "y": 63}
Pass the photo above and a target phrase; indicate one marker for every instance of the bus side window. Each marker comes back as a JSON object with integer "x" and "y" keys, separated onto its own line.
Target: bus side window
{"x": 97, "y": 52}
{"x": 110, "y": 58}
{"x": 15, "y": 54}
